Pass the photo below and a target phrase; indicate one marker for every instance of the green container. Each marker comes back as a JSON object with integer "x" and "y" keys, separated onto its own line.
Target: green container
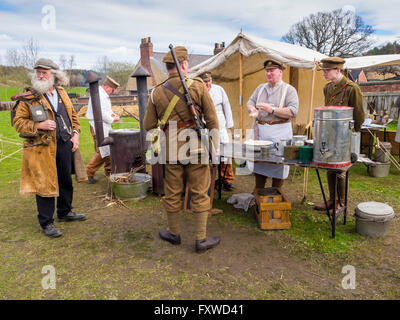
{"x": 306, "y": 153}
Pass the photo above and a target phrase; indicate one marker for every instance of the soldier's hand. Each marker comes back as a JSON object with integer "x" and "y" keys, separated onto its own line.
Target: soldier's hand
{"x": 47, "y": 125}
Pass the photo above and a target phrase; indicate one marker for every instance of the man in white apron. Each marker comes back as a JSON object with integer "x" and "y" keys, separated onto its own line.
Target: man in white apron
{"x": 225, "y": 121}
{"x": 273, "y": 105}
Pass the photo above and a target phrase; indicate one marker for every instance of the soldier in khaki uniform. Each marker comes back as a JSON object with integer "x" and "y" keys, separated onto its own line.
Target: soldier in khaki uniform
{"x": 198, "y": 174}
{"x": 340, "y": 91}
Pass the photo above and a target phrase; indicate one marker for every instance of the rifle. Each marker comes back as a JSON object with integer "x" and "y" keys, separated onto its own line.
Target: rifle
{"x": 200, "y": 126}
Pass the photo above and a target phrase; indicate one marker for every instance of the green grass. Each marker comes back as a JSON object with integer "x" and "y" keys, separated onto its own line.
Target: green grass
{"x": 116, "y": 253}
{"x": 7, "y": 92}
{"x": 392, "y": 126}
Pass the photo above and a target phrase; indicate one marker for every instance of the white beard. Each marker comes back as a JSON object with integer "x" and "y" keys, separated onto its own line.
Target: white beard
{"x": 42, "y": 85}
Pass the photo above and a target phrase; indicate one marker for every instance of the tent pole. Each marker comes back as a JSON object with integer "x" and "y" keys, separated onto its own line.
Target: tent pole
{"x": 241, "y": 95}
{"x": 308, "y": 128}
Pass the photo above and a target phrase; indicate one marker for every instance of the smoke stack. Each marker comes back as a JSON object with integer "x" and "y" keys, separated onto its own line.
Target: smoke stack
{"x": 219, "y": 47}
{"x": 146, "y": 51}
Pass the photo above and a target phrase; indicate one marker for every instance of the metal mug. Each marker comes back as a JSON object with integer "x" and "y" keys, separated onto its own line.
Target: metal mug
{"x": 280, "y": 146}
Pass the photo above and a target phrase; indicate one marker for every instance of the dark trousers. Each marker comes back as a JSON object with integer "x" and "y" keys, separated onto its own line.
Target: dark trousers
{"x": 46, "y": 205}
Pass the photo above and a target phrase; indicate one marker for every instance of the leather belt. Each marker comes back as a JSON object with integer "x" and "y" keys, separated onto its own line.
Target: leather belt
{"x": 181, "y": 125}
{"x": 271, "y": 122}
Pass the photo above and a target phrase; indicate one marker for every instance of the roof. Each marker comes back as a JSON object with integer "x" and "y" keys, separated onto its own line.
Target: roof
{"x": 256, "y": 48}
{"x": 159, "y": 70}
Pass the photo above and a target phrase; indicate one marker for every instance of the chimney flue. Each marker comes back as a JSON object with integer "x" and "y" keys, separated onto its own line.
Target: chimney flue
{"x": 219, "y": 47}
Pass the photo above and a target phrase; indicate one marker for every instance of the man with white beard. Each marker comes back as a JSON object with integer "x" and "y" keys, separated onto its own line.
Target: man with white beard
{"x": 47, "y": 120}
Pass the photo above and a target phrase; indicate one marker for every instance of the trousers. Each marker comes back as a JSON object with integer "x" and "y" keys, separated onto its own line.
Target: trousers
{"x": 97, "y": 161}
{"x": 46, "y": 205}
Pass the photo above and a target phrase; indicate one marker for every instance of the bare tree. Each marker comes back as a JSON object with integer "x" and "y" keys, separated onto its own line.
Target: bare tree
{"x": 13, "y": 58}
{"x": 62, "y": 61}
{"x": 120, "y": 71}
{"x": 30, "y": 53}
{"x": 102, "y": 65}
{"x": 71, "y": 62}
{"x": 335, "y": 33}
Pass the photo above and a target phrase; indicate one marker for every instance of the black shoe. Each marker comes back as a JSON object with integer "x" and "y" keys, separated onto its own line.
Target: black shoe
{"x": 228, "y": 186}
{"x": 167, "y": 236}
{"x": 92, "y": 180}
{"x": 51, "y": 231}
{"x": 207, "y": 243}
{"x": 72, "y": 216}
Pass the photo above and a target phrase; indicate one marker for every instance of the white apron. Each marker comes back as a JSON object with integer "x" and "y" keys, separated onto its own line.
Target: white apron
{"x": 273, "y": 133}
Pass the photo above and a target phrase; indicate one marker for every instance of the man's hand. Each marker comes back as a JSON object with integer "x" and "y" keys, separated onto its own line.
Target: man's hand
{"x": 253, "y": 112}
{"x": 116, "y": 117}
{"x": 75, "y": 142}
{"x": 265, "y": 107}
{"x": 47, "y": 125}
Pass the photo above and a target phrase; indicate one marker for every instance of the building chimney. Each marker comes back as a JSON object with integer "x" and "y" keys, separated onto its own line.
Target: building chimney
{"x": 219, "y": 47}
{"x": 146, "y": 51}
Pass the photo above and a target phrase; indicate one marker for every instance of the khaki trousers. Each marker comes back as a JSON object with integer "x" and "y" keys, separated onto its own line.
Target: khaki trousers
{"x": 198, "y": 180}
{"x": 341, "y": 185}
{"x": 227, "y": 173}
{"x": 97, "y": 161}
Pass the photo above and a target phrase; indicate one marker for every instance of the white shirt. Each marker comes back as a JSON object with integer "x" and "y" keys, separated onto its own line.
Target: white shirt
{"x": 223, "y": 110}
{"x": 53, "y": 97}
{"x": 106, "y": 112}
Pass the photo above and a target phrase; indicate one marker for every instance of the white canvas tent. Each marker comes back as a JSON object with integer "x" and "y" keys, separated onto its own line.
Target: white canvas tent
{"x": 239, "y": 70}
{"x": 372, "y": 61}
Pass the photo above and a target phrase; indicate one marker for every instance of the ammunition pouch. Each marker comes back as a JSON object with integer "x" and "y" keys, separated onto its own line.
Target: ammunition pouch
{"x": 39, "y": 113}
{"x": 42, "y": 138}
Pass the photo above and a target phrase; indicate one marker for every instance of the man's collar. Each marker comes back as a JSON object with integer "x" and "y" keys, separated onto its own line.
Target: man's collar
{"x": 276, "y": 85}
{"x": 53, "y": 92}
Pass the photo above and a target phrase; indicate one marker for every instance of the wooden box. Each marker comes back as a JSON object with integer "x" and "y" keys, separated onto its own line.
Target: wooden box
{"x": 272, "y": 209}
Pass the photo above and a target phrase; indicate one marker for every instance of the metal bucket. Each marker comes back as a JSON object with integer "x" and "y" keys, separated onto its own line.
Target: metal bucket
{"x": 373, "y": 219}
{"x": 332, "y": 136}
{"x": 136, "y": 190}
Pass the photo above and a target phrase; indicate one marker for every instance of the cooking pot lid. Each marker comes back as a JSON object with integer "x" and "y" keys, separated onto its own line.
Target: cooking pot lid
{"x": 374, "y": 210}
{"x": 258, "y": 143}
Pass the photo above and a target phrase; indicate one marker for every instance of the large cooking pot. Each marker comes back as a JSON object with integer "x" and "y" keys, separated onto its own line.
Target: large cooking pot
{"x": 332, "y": 136}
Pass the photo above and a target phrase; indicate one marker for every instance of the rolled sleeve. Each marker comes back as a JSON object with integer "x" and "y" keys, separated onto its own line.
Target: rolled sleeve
{"x": 292, "y": 101}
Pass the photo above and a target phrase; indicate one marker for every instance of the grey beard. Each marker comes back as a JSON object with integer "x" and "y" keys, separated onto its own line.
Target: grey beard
{"x": 42, "y": 86}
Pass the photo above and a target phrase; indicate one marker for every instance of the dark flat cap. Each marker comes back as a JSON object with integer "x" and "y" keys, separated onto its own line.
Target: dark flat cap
{"x": 181, "y": 55}
{"x": 45, "y": 64}
{"x": 272, "y": 64}
{"x": 332, "y": 63}
{"x": 206, "y": 76}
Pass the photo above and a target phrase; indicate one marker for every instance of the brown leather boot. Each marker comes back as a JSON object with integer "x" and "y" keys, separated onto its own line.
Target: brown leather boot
{"x": 322, "y": 207}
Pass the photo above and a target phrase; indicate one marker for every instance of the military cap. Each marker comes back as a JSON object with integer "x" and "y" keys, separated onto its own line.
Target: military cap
{"x": 110, "y": 82}
{"x": 206, "y": 76}
{"x": 181, "y": 55}
{"x": 332, "y": 63}
{"x": 45, "y": 64}
{"x": 272, "y": 64}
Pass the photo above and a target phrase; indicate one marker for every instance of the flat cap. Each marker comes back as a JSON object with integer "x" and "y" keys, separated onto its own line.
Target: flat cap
{"x": 206, "y": 76}
{"x": 110, "y": 82}
{"x": 181, "y": 55}
{"x": 332, "y": 63}
{"x": 45, "y": 64}
{"x": 272, "y": 64}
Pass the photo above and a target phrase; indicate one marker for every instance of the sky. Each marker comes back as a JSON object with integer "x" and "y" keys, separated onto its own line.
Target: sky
{"x": 91, "y": 29}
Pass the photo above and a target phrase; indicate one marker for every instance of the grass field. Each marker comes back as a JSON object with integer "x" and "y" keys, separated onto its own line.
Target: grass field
{"x": 7, "y": 92}
{"x": 116, "y": 253}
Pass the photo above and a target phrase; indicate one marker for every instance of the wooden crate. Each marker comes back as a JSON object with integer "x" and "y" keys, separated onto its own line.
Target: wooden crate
{"x": 272, "y": 209}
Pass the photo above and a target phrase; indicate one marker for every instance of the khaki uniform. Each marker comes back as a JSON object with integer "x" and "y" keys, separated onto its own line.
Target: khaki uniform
{"x": 198, "y": 175}
{"x": 39, "y": 170}
{"x": 344, "y": 93}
